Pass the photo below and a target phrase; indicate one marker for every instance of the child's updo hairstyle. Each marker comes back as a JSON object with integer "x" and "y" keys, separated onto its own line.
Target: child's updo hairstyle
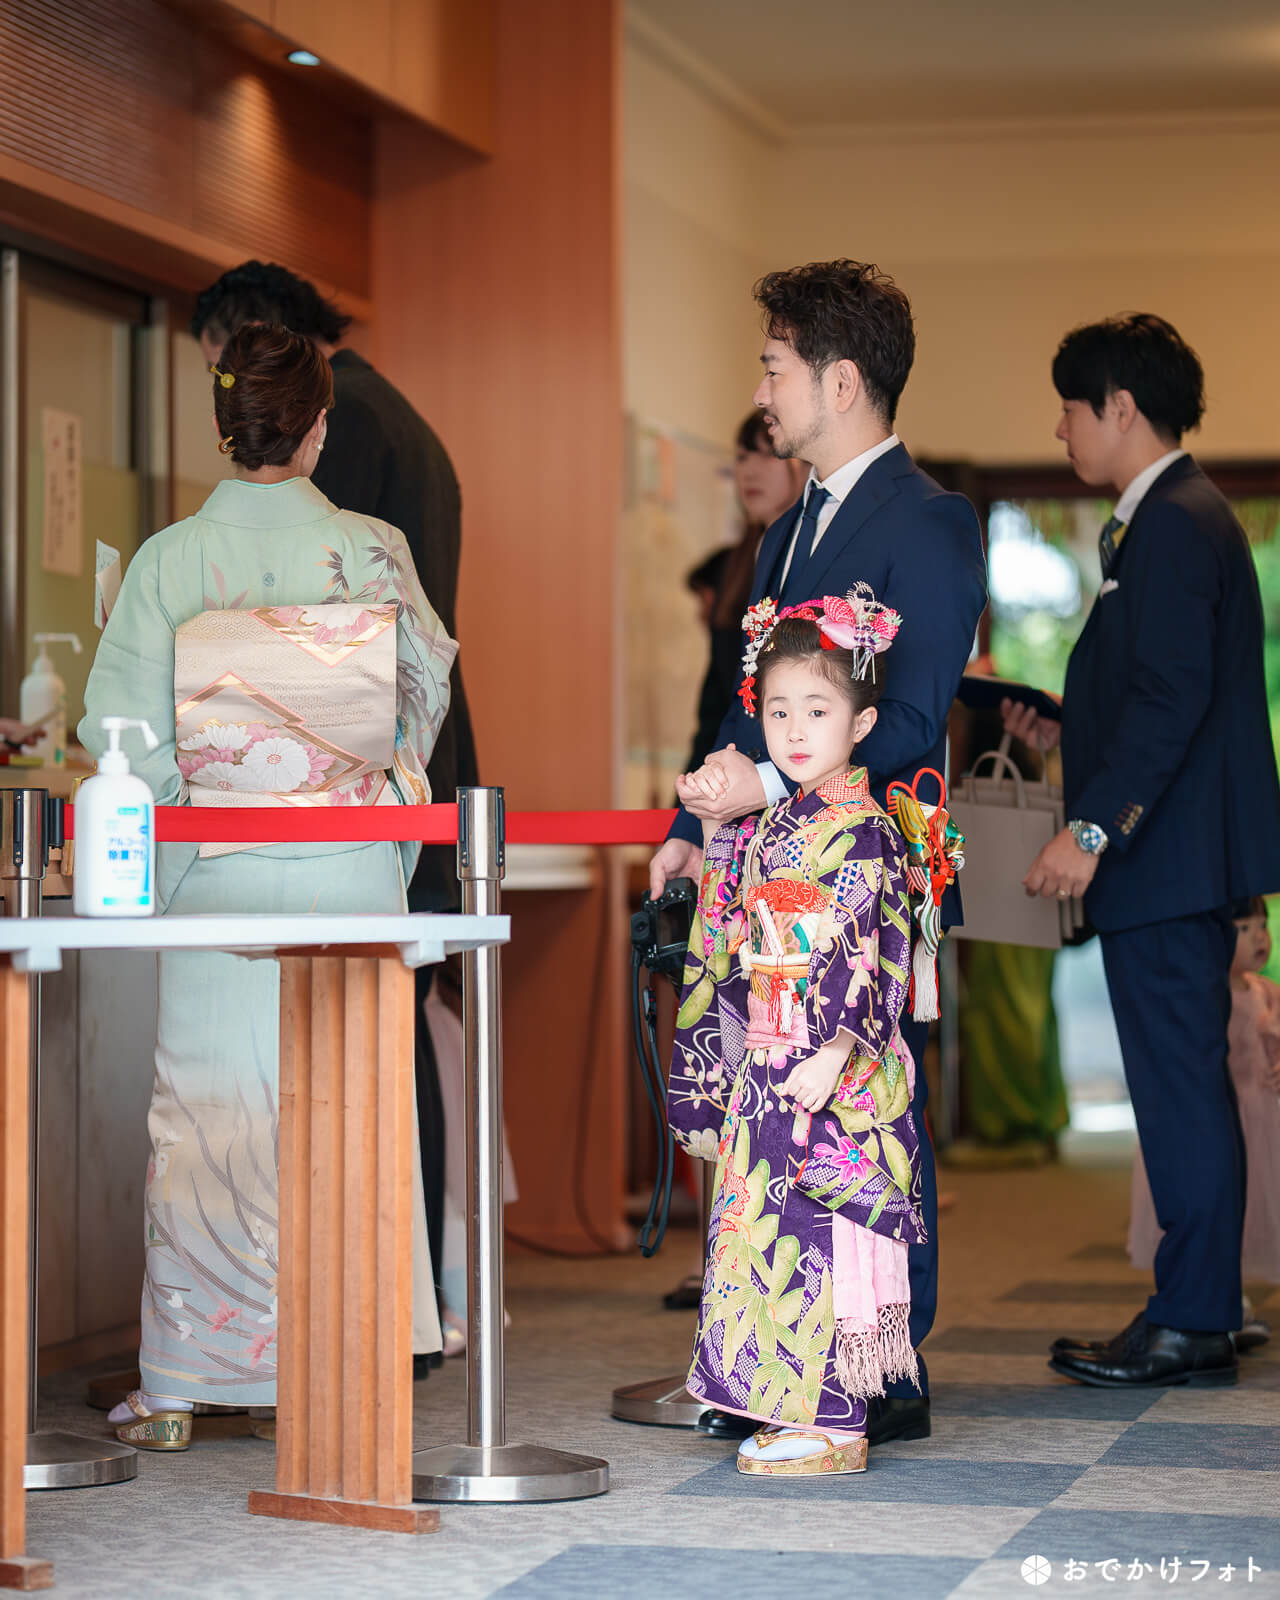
{"x": 269, "y": 385}
{"x": 798, "y": 639}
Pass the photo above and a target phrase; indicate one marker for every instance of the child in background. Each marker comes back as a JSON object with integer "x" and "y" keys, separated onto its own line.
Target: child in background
{"x": 1253, "y": 1059}
{"x": 789, "y": 1070}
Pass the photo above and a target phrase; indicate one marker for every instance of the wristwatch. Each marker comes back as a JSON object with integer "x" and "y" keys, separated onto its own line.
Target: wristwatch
{"x": 1089, "y": 836}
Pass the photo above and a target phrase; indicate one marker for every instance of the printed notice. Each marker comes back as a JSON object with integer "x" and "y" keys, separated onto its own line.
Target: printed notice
{"x": 63, "y": 543}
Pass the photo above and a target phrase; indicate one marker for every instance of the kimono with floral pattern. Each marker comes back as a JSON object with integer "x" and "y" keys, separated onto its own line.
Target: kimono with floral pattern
{"x": 803, "y": 928}
{"x": 211, "y": 1204}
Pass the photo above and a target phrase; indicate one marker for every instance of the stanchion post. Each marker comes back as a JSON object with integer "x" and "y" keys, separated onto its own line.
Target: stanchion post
{"x": 487, "y": 1468}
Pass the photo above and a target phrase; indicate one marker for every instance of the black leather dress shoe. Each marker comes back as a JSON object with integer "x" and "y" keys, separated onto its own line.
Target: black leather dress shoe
{"x": 1068, "y": 1345}
{"x": 725, "y": 1425}
{"x": 898, "y": 1417}
{"x": 1152, "y": 1357}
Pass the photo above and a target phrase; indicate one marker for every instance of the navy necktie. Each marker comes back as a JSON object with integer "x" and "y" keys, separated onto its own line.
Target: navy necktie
{"x": 802, "y": 546}
{"x": 1109, "y": 544}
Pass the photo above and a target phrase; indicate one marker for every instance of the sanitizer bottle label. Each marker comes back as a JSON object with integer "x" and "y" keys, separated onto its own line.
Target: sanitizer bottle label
{"x": 128, "y": 857}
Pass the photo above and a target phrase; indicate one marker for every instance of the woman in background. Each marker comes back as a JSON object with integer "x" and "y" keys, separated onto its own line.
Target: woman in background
{"x": 271, "y": 580}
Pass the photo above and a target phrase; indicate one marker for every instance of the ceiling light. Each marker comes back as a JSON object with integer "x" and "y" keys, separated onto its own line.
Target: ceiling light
{"x": 303, "y": 58}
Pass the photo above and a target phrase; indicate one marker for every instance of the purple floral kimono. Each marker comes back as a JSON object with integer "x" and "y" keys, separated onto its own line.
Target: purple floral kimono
{"x": 803, "y": 928}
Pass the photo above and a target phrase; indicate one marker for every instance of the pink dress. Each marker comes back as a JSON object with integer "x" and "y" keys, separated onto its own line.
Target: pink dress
{"x": 1255, "y": 1023}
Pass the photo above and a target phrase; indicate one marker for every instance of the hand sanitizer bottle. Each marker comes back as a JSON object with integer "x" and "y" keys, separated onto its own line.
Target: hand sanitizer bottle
{"x": 42, "y": 698}
{"x": 115, "y": 860}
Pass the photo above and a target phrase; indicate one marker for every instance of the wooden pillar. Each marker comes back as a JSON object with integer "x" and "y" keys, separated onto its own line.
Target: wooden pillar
{"x": 344, "y": 1413}
{"x": 17, "y": 1570}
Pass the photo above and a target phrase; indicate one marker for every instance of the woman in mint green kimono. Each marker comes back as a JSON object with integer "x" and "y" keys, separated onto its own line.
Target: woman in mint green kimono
{"x": 269, "y": 544}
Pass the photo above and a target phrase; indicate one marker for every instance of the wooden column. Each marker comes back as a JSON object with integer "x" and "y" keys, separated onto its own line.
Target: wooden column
{"x": 17, "y": 1571}
{"x": 344, "y": 1413}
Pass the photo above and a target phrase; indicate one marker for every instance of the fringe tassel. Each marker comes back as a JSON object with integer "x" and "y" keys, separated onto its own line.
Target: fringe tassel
{"x": 867, "y": 1358}
{"x": 924, "y": 971}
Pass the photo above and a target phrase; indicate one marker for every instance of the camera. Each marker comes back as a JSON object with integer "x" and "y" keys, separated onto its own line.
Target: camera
{"x": 660, "y": 929}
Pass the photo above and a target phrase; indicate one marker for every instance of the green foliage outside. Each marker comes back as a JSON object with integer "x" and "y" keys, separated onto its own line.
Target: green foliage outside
{"x": 1033, "y": 646}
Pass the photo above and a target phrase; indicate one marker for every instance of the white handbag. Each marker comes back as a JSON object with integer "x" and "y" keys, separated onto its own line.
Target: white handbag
{"x": 1007, "y": 820}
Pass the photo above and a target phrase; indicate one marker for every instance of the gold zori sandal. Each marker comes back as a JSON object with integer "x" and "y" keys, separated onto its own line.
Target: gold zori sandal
{"x": 155, "y": 1430}
{"x": 825, "y": 1460}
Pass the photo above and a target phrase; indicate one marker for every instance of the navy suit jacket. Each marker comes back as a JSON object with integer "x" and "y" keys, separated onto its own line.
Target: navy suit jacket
{"x": 1166, "y": 739}
{"x": 920, "y": 549}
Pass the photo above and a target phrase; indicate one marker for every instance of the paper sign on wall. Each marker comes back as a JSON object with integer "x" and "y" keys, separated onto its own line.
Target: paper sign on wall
{"x": 63, "y": 543}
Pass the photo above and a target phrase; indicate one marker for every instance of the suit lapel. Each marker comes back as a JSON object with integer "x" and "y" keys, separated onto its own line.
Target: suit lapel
{"x": 878, "y": 484}
{"x": 770, "y": 546}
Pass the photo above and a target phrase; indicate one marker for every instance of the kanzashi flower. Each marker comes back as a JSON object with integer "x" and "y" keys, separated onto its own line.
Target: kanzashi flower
{"x": 276, "y": 765}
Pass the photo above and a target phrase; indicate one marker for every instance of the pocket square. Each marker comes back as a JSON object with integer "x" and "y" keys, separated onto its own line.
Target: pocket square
{"x": 1109, "y": 587}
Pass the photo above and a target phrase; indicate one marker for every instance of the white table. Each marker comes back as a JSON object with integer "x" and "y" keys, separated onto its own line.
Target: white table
{"x": 345, "y": 1392}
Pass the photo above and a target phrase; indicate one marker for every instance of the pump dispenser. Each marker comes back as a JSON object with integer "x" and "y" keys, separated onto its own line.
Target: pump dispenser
{"x": 115, "y": 867}
{"x": 43, "y": 699}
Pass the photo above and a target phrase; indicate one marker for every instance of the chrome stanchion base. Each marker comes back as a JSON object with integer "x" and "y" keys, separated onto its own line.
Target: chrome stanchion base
{"x": 509, "y": 1473}
{"x": 68, "y": 1461}
{"x": 661, "y": 1403}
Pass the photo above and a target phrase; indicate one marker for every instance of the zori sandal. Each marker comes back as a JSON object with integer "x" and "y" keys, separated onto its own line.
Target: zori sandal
{"x": 155, "y": 1430}
{"x": 801, "y": 1453}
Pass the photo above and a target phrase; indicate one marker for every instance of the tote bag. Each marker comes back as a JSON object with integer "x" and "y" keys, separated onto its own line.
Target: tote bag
{"x": 1007, "y": 820}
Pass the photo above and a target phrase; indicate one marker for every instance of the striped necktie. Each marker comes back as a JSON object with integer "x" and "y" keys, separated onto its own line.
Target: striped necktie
{"x": 1109, "y": 544}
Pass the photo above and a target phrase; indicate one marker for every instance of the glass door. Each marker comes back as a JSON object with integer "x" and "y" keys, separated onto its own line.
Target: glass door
{"x": 85, "y": 454}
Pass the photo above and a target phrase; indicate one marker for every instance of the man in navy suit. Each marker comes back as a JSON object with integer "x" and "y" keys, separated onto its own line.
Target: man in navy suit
{"x": 839, "y": 343}
{"x": 1174, "y": 805}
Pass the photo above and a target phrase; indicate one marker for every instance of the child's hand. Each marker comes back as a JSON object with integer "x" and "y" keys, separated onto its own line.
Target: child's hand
{"x": 812, "y": 1082}
{"x": 709, "y": 782}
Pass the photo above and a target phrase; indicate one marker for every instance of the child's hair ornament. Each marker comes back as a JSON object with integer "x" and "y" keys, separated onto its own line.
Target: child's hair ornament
{"x": 855, "y": 621}
{"x": 935, "y": 853}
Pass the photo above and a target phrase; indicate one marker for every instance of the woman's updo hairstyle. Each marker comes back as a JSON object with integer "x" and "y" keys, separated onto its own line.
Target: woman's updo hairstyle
{"x": 798, "y": 639}
{"x": 280, "y": 384}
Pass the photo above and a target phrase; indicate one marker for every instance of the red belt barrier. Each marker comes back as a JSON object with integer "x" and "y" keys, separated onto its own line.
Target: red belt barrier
{"x": 436, "y": 824}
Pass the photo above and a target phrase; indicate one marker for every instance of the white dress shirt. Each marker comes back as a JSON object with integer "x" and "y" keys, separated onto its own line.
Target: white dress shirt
{"x": 839, "y": 485}
{"x": 1134, "y": 491}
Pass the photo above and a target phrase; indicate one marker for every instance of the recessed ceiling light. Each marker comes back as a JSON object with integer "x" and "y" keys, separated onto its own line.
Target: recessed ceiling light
{"x": 303, "y": 58}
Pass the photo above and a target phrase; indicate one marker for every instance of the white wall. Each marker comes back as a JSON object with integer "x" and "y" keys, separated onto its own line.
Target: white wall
{"x": 1004, "y": 236}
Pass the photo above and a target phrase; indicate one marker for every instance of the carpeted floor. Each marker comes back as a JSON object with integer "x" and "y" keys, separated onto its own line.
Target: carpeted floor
{"x": 1105, "y": 1487}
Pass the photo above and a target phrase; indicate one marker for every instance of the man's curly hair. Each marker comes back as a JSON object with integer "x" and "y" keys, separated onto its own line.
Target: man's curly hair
{"x": 260, "y": 291}
{"x": 844, "y": 311}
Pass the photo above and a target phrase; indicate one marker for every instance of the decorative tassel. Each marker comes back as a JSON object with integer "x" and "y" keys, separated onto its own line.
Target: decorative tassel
{"x": 924, "y": 987}
{"x": 867, "y": 1358}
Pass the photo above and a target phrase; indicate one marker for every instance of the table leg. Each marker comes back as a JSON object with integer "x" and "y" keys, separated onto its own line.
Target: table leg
{"x": 344, "y": 1413}
{"x": 17, "y": 1571}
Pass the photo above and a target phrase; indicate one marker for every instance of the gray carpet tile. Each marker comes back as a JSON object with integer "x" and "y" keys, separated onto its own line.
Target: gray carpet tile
{"x": 1248, "y": 1403}
{"x": 893, "y": 1476}
{"x": 587, "y": 1572}
{"x": 1053, "y": 1397}
{"x": 1051, "y": 1440}
{"x": 1226, "y": 1446}
{"x": 1100, "y": 1252}
{"x": 986, "y": 1341}
{"x": 1212, "y": 1491}
{"x": 1066, "y": 1291}
{"x": 1085, "y": 1535}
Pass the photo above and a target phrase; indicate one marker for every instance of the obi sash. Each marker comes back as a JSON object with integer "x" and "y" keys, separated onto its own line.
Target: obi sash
{"x": 291, "y": 706}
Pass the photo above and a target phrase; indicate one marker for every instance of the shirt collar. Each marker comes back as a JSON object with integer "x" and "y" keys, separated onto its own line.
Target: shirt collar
{"x": 841, "y": 481}
{"x": 1134, "y": 491}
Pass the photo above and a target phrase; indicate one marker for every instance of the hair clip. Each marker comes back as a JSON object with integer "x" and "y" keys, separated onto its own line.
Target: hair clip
{"x": 226, "y": 379}
{"x": 226, "y": 446}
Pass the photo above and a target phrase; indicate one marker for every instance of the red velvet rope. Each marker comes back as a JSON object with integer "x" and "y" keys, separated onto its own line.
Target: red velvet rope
{"x": 428, "y": 824}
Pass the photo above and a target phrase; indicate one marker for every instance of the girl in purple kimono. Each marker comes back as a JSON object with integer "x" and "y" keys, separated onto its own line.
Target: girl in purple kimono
{"x": 789, "y": 1071}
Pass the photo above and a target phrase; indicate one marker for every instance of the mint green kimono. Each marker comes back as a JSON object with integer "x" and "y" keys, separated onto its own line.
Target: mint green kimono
{"x": 211, "y": 1210}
